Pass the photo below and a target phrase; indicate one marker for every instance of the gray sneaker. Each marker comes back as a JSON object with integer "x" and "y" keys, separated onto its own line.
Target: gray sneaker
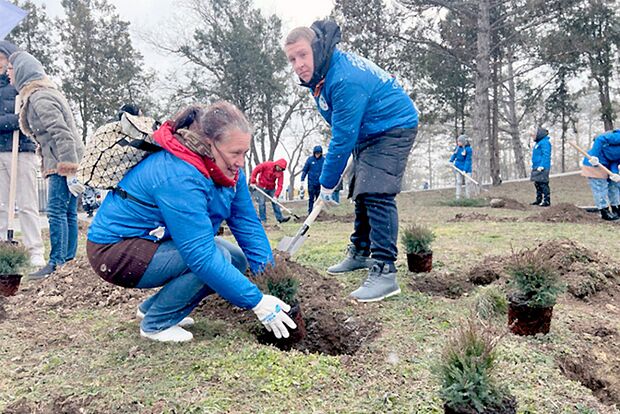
{"x": 355, "y": 260}
{"x": 380, "y": 284}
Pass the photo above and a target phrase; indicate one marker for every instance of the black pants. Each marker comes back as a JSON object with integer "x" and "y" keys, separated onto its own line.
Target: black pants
{"x": 375, "y": 231}
{"x": 543, "y": 192}
{"x": 313, "y": 194}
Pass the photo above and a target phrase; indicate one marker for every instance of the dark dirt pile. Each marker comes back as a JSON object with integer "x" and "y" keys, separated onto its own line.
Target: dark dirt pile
{"x": 467, "y": 217}
{"x": 334, "y": 325}
{"x": 441, "y": 283}
{"x": 564, "y": 213}
{"x": 509, "y": 203}
{"x": 346, "y": 218}
{"x": 584, "y": 271}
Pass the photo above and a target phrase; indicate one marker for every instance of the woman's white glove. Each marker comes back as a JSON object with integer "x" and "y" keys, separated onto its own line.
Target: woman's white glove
{"x": 75, "y": 187}
{"x": 615, "y": 178}
{"x": 271, "y": 311}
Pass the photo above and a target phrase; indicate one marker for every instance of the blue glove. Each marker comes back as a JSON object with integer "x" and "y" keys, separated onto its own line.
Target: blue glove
{"x": 327, "y": 195}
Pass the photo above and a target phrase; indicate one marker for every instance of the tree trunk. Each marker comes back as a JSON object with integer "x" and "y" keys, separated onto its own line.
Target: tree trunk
{"x": 494, "y": 137}
{"x": 513, "y": 121}
{"x": 481, "y": 108}
{"x": 606, "y": 107}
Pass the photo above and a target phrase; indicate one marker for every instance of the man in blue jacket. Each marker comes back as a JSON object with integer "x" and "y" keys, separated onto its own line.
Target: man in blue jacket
{"x": 312, "y": 169}
{"x": 461, "y": 158}
{"x": 372, "y": 118}
{"x": 541, "y": 164}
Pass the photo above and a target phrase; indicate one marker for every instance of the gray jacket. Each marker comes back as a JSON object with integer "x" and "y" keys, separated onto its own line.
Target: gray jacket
{"x": 46, "y": 117}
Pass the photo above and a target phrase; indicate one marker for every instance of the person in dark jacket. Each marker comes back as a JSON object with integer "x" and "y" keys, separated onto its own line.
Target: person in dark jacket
{"x": 541, "y": 165}
{"x": 462, "y": 159}
{"x": 269, "y": 177}
{"x": 160, "y": 231}
{"x": 46, "y": 117}
{"x": 312, "y": 169}
{"x": 27, "y": 197}
{"x": 605, "y": 188}
{"x": 373, "y": 119}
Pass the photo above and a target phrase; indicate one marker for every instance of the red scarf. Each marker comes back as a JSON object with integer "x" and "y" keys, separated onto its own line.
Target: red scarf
{"x": 164, "y": 136}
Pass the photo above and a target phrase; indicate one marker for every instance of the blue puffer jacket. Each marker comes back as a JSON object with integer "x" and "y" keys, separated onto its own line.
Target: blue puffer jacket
{"x": 312, "y": 169}
{"x": 541, "y": 155}
{"x": 461, "y": 157}
{"x": 191, "y": 208}
{"x": 9, "y": 121}
{"x": 606, "y": 148}
{"x": 359, "y": 100}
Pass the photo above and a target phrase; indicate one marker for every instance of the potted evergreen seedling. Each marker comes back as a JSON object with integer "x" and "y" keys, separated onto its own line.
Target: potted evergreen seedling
{"x": 417, "y": 241}
{"x": 535, "y": 286}
{"x": 466, "y": 370}
{"x": 276, "y": 282}
{"x": 13, "y": 260}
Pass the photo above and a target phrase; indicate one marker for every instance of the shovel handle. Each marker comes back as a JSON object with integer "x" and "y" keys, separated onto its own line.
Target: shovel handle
{"x": 589, "y": 157}
{"x": 13, "y": 177}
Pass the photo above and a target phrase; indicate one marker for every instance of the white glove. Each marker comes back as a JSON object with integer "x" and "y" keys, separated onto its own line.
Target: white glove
{"x": 271, "y": 311}
{"x": 75, "y": 187}
{"x": 540, "y": 168}
{"x": 327, "y": 197}
{"x": 301, "y": 189}
{"x": 615, "y": 178}
{"x": 594, "y": 161}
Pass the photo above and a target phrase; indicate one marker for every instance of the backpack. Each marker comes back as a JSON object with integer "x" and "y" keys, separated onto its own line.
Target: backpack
{"x": 114, "y": 149}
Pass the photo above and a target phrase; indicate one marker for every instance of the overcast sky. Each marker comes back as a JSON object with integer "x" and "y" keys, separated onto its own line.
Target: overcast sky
{"x": 144, "y": 15}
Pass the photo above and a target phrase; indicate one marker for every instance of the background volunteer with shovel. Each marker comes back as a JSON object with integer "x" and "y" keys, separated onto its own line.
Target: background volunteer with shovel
{"x": 600, "y": 165}
{"x": 27, "y": 199}
{"x": 269, "y": 176}
{"x": 541, "y": 165}
{"x": 165, "y": 234}
{"x": 46, "y": 117}
{"x": 372, "y": 118}
{"x": 461, "y": 160}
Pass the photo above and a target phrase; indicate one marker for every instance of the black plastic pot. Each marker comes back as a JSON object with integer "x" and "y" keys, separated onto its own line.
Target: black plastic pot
{"x": 9, "y": 284}
{"x": 420, "y": 262}
{"x": 528, "y": 320}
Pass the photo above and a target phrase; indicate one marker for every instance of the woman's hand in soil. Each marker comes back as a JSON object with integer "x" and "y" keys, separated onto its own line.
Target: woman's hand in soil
{"x": 271, "y": 311}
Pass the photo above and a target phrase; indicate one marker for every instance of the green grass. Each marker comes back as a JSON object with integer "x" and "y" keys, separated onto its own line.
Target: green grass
{"x": 465, "y": 202}
{"x": 97, "y": 354}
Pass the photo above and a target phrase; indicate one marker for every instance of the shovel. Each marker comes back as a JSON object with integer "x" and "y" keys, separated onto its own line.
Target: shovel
{"x": 464, "y": 174}
{"x": 273, "y": 200}
{"x": 291, "y": 244}
{"x": 13, "y": 180}
{"x": 589, "y": 157}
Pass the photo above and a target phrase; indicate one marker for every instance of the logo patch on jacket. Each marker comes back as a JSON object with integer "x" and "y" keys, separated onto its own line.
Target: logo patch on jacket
{"x": 323, "y": 103}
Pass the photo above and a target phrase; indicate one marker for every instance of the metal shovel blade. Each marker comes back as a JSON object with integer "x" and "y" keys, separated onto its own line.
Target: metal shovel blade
{"x": 290, "y": 245}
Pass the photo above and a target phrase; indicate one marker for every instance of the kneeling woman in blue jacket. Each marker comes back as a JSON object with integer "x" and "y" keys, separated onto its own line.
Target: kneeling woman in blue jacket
{"x": 157, "y": 229}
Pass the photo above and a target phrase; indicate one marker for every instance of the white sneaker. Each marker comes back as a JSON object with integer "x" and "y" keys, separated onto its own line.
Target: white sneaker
{"x": 37, "y": 261}
{"x": 173, "y": 334}
{"x": 186, "y": 322}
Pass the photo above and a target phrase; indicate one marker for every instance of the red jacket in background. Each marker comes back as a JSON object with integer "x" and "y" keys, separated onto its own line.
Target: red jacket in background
{"x": 267, "y": 175}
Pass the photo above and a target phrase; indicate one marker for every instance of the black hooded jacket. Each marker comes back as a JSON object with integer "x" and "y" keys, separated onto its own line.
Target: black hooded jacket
{"x": 541, "y": 133}
{"x": 8, "y": 119}
{"x": 327, "y": 37}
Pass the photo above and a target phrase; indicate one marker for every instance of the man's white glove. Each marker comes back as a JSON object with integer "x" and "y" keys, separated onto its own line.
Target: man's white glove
{"x": 594, "y": 161}
{"x": 75, "y": 187}
{"x": 615, "y": 178}
{"x": 540, "y": 168}
{"x": 328, "y": 197}
{"x": 271, "y": 311}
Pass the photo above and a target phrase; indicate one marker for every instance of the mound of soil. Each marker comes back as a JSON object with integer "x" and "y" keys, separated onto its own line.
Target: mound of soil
{"x": 441, "y": 283}
{"x": 334, "y": 326}
{"x": 584, "y": 271}
{"x": 512, "y": 204}
{"x": 467, "y": 217}
{"x": 346, "y": 218}
{"x": 564, "y": 213}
